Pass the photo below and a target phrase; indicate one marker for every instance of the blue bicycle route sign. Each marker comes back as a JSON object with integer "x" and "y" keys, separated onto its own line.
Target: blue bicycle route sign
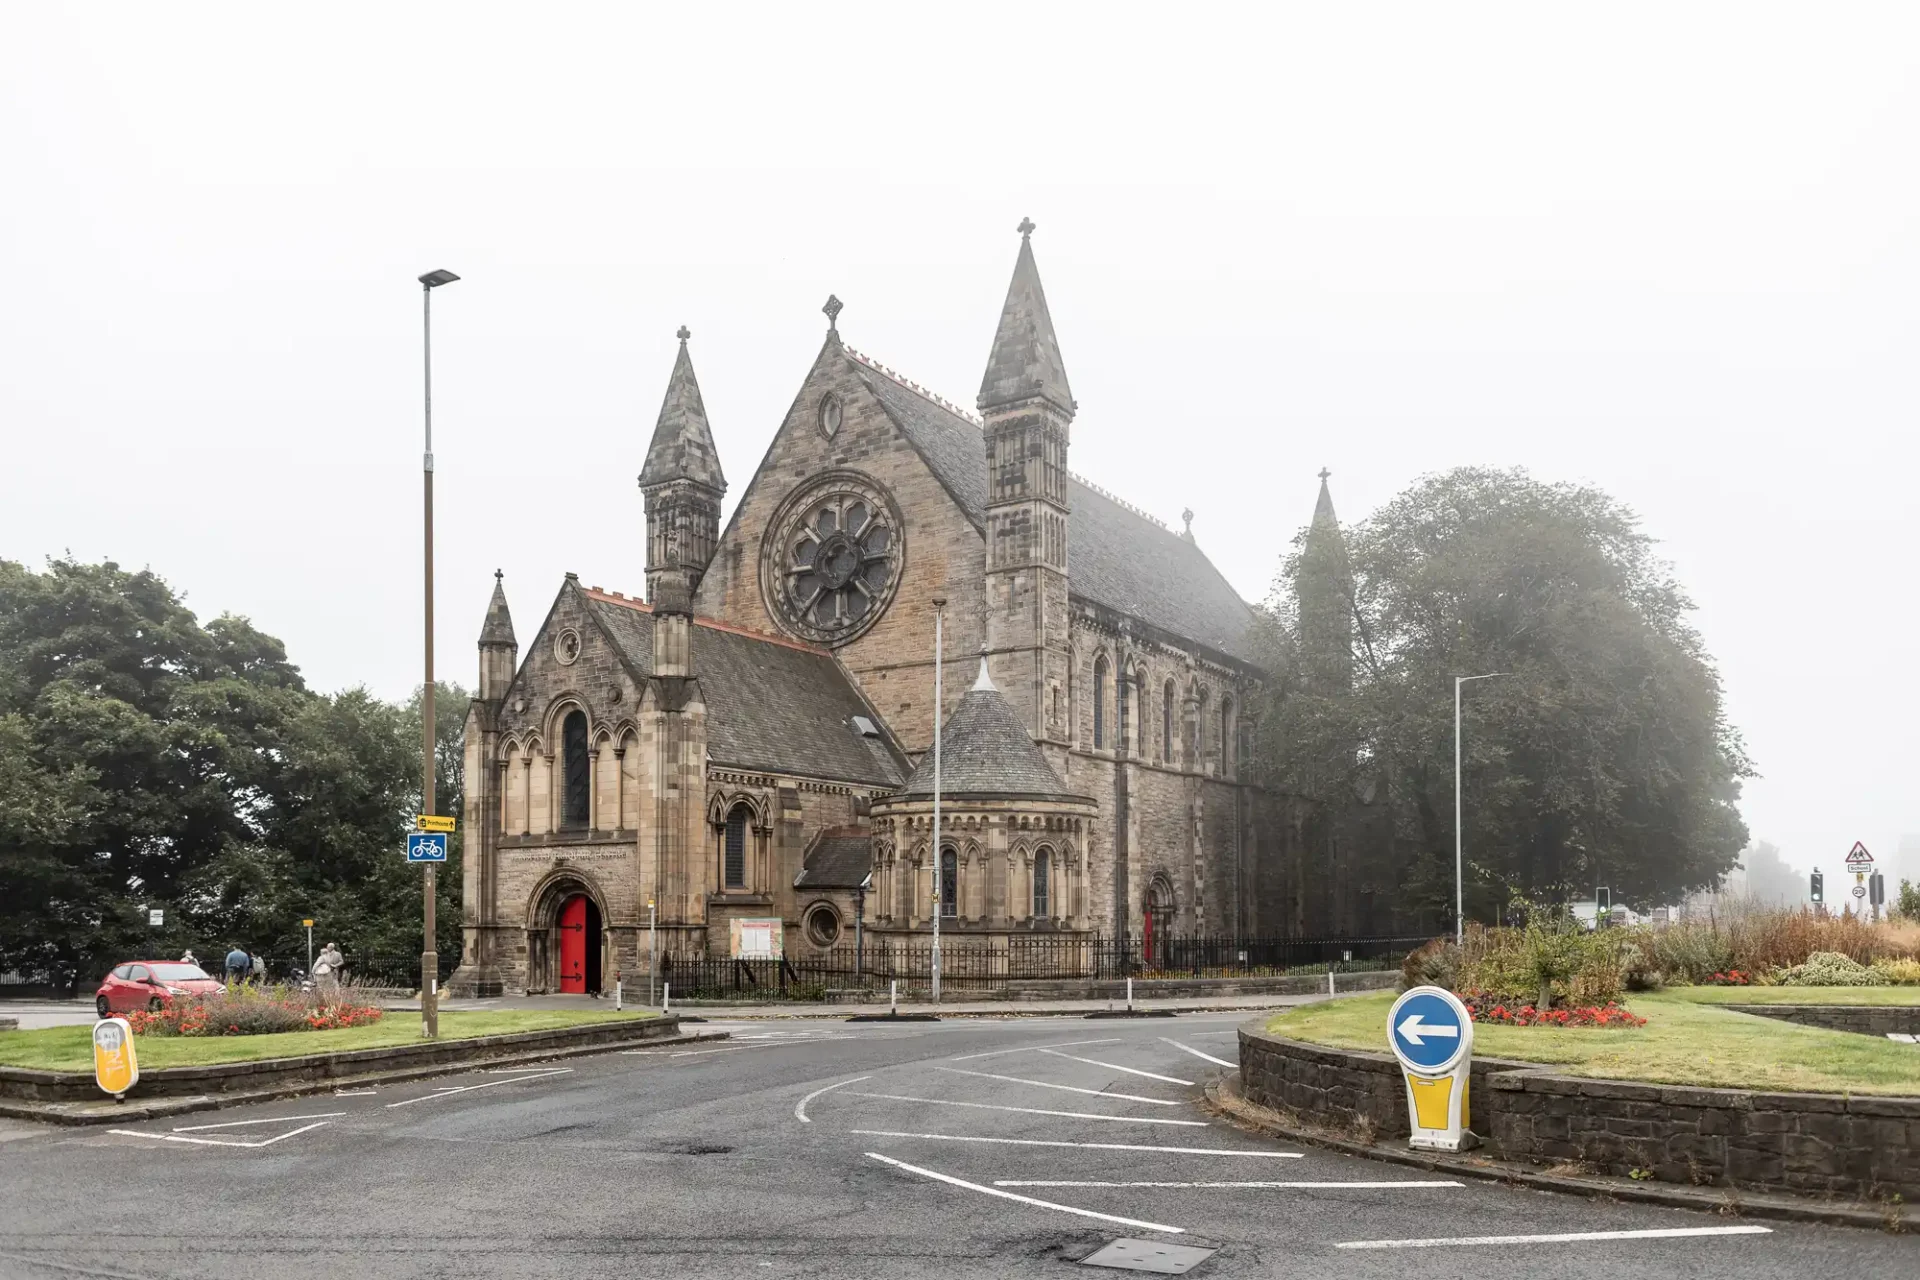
{"x": 1426, "y": 1030}
{"x": 427, "y": 847}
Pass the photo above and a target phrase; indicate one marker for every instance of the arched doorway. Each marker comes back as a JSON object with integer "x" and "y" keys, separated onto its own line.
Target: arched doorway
{"x": 577, "y": 967}
{"x": 1156, "y": 931}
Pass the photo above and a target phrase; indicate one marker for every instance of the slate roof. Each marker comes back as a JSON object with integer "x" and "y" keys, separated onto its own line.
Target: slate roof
{"x": 1116, "y": 557}
{"x": 985, "y": 751}
{"x": 771, "y": 704}
{"x": 842, "y": 858}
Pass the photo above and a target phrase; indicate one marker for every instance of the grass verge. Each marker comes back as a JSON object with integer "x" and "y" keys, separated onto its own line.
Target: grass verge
{"x": 1684, "y": 1042}
{"x": 71, "y": 1048}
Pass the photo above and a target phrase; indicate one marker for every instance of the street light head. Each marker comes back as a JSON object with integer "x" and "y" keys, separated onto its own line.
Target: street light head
{"x": 434, "y": 279}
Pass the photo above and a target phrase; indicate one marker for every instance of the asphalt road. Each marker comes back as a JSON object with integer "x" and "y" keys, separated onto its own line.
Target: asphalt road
{"x": 824, "y": 1149}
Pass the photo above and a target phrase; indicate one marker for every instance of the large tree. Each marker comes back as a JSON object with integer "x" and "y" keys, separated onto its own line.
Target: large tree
{"x": 149, "y": 761}
{"x": 1601, "y": 756}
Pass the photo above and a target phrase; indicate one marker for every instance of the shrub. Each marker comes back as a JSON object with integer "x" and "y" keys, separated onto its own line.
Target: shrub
{"x": 1687, "y": 952}
{"x": 254, "y": 1011}
{"x": 1551, "y": 960}
{"x": 1431, "y": 964}
{"x": 1831, "y": 969}
{"x": 1899, "y": 973}
{"x": 1488, "y": 1009}
{"x": 1731, "y": 978}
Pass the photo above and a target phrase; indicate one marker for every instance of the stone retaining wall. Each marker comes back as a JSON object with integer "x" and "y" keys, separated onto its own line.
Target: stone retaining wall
{"x": 23, "y": 1084}
{"x": 1861, "y": 1019}
{"x": 1809, "y": 1143}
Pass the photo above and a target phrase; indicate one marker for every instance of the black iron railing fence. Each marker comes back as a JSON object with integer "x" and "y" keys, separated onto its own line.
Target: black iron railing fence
{"x": 983, "y": 966}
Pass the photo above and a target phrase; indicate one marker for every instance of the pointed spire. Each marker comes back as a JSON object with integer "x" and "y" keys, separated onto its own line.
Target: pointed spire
{"x": 682, "y": 447}
{"x": 1025, "y": 361}
{"x": 498, "y": 628}
{"x": 984, "y": 682}
{"x": 1323, "y": 516}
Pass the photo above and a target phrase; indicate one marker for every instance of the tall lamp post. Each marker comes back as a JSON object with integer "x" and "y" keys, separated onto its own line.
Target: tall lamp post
{"x": 939, "y": 859}
{"x": 1459, "y": 859}
{"x": 429, "y": 957}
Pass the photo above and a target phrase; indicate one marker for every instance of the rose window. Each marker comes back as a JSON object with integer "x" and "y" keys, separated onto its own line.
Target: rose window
{"x": 831, "y": 567}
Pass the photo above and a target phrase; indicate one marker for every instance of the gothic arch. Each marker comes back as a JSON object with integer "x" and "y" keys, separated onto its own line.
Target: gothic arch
{"x": 557, "y": 709}
{"x": 548, "y": 895}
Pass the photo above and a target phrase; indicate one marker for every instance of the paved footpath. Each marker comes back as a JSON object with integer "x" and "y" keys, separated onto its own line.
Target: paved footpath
{"x": 965, "y": 1148}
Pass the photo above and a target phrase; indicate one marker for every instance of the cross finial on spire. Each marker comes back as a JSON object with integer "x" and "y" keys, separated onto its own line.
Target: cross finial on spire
{"x": 832, "y": 310}
{"x": 1025, "y": 228}
{"x": 497, "y": 575}
{"x": 683, "y": 335}
{"x": 1324, "y": 473}
{"x": 1187, "y": 515}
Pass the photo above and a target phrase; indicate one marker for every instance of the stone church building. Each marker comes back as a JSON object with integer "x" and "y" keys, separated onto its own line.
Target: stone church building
{"x": 752, "y": 740}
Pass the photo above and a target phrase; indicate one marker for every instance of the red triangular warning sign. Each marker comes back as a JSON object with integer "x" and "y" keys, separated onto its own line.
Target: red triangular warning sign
{"x": 1858, "y": 856}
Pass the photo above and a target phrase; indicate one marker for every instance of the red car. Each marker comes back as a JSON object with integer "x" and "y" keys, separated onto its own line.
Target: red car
{"x": 152, "y": 984}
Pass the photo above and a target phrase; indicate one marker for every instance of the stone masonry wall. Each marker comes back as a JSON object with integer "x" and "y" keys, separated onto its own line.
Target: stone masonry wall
{"x": 1864, "y": 1020}
{"x": 1809, "y": 1143}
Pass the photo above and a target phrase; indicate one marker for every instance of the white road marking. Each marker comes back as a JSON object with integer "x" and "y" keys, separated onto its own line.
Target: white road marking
{"x": 1091, "y": 1146}
{"x": 237, "y": 1124}
{"x": 1064, "y": 1088}
{"x": 1298, "y": 1186}
{"x": 353, "y": 1093}
{"x": 731, "y": 1048}
{"x": 469, "y": 1088}
{"x": 219, "y": 1142}
{"x": 1032, "y": 1111}
{"x": 1064, "y": 1044}
{"x": 800, "y": 1107}
{"x": 1187, "y": 1048}
{"x": 1114, "y": 1066}
{"x": 952, "y": 1181}
{"x": 1569, "y": 1237}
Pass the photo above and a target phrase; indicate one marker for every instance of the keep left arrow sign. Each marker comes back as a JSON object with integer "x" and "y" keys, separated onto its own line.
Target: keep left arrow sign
{"x": 1413, "y": 1029}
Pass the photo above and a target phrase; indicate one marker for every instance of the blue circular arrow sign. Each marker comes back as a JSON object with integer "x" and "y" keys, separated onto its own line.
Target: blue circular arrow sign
{"x": 1428, "y": 1029}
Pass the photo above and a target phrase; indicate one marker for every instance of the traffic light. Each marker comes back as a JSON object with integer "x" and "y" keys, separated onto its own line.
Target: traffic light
{"x": 1819, "y": 887}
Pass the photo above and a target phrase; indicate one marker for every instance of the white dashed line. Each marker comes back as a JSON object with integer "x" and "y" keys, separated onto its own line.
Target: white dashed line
{"x": 469, "y": 1088}
{"x": 952, "y": 1181}
{"x": 1032, "y": 1111}
{"x": 1293, "y": 1186}
{"x": 1187, "y": 1048}
{"x": 800, "y": 1107}
{"x": 1568, "y": 1237}
{"x": 1064, "y": 1044}
{"x": 227, "y": 1142}
{"x": 240, "y": 1124}
{"x": 1114, "y": 1066}
{"x": 1064, "y": 1088}
{"x": 1090, "y": 1146}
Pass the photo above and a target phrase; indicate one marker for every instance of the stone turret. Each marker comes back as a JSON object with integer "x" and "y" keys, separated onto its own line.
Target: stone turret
{"x": 1028, "y": 408}
{"x": 682, "y": 483}
{"x": 1323, "y": 594}
{"x": 499, "y": 651}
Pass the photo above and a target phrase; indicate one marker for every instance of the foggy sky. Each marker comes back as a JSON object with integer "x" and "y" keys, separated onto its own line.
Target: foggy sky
{"x": 1667, "y": 250}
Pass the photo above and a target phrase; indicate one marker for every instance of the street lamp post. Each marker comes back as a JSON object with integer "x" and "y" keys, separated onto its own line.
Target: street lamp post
{"x": 939, "y": 861}
{"x": 429, "y": 957}
{"x": 1459, "y": 859}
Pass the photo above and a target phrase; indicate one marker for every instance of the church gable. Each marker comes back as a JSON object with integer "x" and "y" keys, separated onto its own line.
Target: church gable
{"x": 845, "y": 488}
{"x": 570, "y": 663}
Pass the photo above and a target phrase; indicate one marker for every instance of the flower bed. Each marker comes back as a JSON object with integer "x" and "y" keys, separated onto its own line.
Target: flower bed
{"x": 1487, "y": 1008}
{"x": 247, "y": 1011}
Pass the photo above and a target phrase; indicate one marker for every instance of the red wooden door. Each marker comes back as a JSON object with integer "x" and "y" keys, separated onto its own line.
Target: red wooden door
{"x": 573, "y": 945}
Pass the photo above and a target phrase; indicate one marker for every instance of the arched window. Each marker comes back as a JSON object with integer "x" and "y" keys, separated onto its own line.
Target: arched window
{"x": 1099, "y": 702}
{"x": 1200, "y": 732}
{"x": 1042, "y": 885}
{"x": 573, "y": 747}
{"x": 949, "y": 883}
{"x": 1073, "y": 708}
{"x": 1166, "y": 725}
{"x": 736, "y": 855}
{"x": 1123, "y": 739}
{"x": 1228, "y": 738}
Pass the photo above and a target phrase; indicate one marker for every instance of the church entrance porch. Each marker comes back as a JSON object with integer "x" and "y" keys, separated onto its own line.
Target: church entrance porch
{"x": 566, "y": 938}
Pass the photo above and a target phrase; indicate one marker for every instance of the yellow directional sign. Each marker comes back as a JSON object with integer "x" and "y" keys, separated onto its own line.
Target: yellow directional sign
{"x": 115, "y": 1068}
{"x": 433, "y": 822}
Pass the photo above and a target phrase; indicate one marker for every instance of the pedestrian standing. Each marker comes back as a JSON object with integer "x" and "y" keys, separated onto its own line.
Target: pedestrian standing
{"x": 238, "y": 965}
{"x": 188, "y": 957}
{"x": 259, "y": 970}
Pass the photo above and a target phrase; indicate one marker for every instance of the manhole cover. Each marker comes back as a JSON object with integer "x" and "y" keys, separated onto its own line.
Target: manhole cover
{"x": 1148, "y": 1255}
